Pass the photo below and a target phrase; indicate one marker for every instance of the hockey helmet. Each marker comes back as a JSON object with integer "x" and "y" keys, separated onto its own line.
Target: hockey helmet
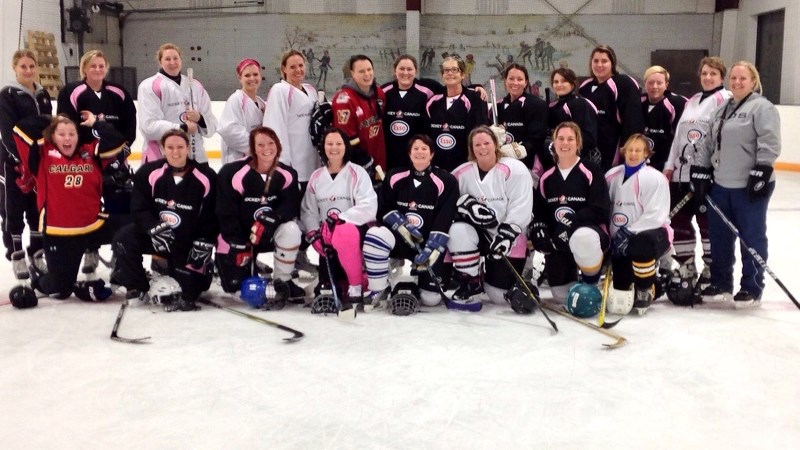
{"x": 253, "y": 291}
{"x": 681, "y": 292}
{"x": 519, "y": 299}
{"x": 405, "y": 299}
{"x": 324, "y": 304}
{"x": 164, "y": 290}
{"x": 583, "y": 300}
{"x": 23, "y": 297}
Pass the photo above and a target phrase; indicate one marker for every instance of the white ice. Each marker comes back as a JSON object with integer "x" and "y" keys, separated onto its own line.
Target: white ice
{"x": 708, "y": 377}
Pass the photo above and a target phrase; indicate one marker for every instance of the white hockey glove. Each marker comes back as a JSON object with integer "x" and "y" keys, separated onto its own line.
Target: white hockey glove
{"x": 514, "y": 150}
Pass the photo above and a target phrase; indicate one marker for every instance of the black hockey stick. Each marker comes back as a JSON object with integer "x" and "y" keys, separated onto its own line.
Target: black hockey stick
{"x": 620, "y": 341}
{"x": 449, "y": 304}
{"x": 344, "y": 314}
{"x": 296, "y": 335}
{"x": 114, "y": 336}
{"x": 681, "y": 204}
{"x": 751, "y": 250}
{"x": 521, "y": 281}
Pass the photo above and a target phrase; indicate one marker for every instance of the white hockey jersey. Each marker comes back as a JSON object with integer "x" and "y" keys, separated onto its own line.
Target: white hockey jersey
{"x": 240, "y": 115}
{"x": 641, "y": 202}
{"x": 162, "y": 105}
{"x": 507, "y": 188}
{"x": 350, "y": 194}
{"x": 289, "y": 114}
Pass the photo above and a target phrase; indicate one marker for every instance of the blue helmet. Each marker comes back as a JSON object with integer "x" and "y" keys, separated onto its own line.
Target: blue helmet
{"x": 583, "y": 300}
{"x": 253, "y": 291}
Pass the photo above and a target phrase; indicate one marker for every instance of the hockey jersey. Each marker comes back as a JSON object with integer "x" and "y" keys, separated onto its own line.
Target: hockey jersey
{"x": 112, "y": 104}
{"x": 404, "y": 117}
{"x": 572, "y": 108}
{"x": 639, "y": 203}
{"x": 525, "y": 120}
{"x": 349, "y": 194}
{"x": 360, "y": 116}
{"x": 17, "y": 103}
{"x": 450, "y": 127}
{"x": 289, "y": 114}
{"x": 661, "y": 119}
{"x": 427, "y": 198}
{"x": 583, "y": 193}
{"x": 239, "y": 116}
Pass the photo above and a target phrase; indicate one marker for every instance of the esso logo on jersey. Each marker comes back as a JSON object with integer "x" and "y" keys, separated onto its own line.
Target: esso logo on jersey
{"x": 563, "y": 211}
{"x": 414, "y": 219}
{"x": 259, "y": 210}
{"x": 399, "y": 128}
{"x": 694, "y": 135}
{"x": 619, "y": 220}
{"x": 170, "y": 218}
{"x": 509, "y": 138}
{"x": 446, "y": 141}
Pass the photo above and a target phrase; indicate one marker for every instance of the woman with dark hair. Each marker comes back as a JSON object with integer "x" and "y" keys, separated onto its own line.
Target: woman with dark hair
{"x": 243, "y": 111}
{"x": 524, "y": 117}
{"x": 571, "y": 107}
{"x": 616, "y": 97}
{"x": 68, "y": 177}
{"x": 20, "y": 99}
{"x": 570, "y": 210}
{"x": 338, "y": 204}
{"x": 173, "y": 210}
{"x": 258, "y": 199}
{"x": 417, "y": 204}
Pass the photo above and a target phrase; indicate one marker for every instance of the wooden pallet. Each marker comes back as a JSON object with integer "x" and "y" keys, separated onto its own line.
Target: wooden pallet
{"x": 43, "y": 45}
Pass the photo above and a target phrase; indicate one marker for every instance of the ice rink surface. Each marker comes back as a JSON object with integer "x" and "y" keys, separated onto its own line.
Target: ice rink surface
{"x": 708, "y": 377}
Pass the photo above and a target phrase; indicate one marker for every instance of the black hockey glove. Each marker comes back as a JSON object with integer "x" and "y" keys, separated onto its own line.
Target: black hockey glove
{"x": 92, "y": 291}
{"x": 239, "y": 254}
{"x": 540, "y": 236}
{"x": 759, "y": 178}
{"x": 700, "y": 179}
{"x": 619, "y": 246}
{"x": 162, "y": 237}
{"x": 472, "y": 211}
{"x": 563, "y": 232}
{"x": 265, "y": 224}
{"x": 200, "y": 256}
{"x": 504, "y": 239}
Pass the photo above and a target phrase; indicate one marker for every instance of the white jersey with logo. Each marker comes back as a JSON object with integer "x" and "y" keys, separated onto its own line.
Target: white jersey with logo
{"x": 639, "y": 203}
{"x": 289, "y": 114}
{"x": 240, "y": 115}
{"x": 349, "y": 193}
{"x": 507, "y": 188}
{"x": 162, "y": 106}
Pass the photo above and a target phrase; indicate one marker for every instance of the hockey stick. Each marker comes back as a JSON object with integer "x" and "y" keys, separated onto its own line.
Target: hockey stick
{"x": 449, "y": 304}
{"x": 751, "y": 250}
{"x": 344, "y": 314}
{"x": 190, "y": 75}
{"x": 681, "y": 204}
{"x": 296, "y": 335}
{"x": 601, "y": 319}
{"x": 114, "y": 330}
{"x": 620, "y": 341}
{"x": 521, "y": 281}
{"x": 494, "y": 103}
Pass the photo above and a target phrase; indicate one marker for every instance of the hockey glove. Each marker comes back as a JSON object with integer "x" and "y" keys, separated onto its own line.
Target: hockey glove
{"x": 470, "y": 210}
{"x": 239, "y": 255}
{"x": 200, "y": 256}
{"x": 92, "y": 291}
{"x": 562, "y": 232}
{"x": 25, "y": 181}
{"x": 513, "y": 150}
{"x": 398, "y": 223}
{"x": 434, "y": 246}
{"x": 264, "y": 225}
{"x": 504, "y": 239}
{"x": 540, "y": 236}
{"x": 162, "y": 237}
{"x": 314, "y": 238}
{"x": 619, "y": 246}
{"x": 500, "y": 133}
{"x": 700, "y": 179}
{"x": 759, "y": 178}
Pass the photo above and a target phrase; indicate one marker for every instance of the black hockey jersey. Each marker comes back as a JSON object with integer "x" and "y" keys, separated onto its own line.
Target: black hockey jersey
{"x": 584, "y": 193}
{"x": 575, "y": 109}
{"x": 660, "y": 121}
{"x": 114, "y": 105}
{"x": 404, "y": 116}
{"x": 17, "y": 103}
{"x": 525, "y": 120}
{"x": 427, "y": 198}
{"x": 450, "y": 127}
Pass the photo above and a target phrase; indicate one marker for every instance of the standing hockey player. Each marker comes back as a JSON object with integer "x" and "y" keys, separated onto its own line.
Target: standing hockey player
{"x": 21, "y": 99}
{"x": 571, "y": 107}
{"x": 571, "y": 209}
{"x": 173, "y": 209}
{"x": 170, "y": 99}
{"x": 358, "y": 111}
{"x": 243, "y": 111}
{"x": 337, "y": 207}
{"x": 69, "y": 182}
{"x": 453, "y": 115}
{"x": 418, "y": 204}
{"x": 640, "y": 231}
{"x": 493, "y": 210}
{"x": 661, "y": 110}
{"x": 257, "y": 202}
{"x": 524, "y": 117}
{"x": 616, "y": 96}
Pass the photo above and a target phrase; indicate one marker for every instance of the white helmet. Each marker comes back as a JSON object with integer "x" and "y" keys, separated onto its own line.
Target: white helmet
{"x": 164, "y": 290}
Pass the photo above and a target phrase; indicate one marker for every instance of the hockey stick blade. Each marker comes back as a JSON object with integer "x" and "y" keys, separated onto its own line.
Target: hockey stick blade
{"x": 115, "y": 337}
{"x": 296, "y": 335}
{"x": 620, "y": 341}
{"x": 610, "y": 325}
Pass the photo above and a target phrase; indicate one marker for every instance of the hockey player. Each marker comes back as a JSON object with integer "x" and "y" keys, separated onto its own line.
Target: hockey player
{"x": 640, "y": 231}
{"x": 243, "y": 111}
{"x": 453, "y": 114}
{"x": 20, "y": 99}
{"x": 257, "y": 201}
{"x": 571, "y": 209}
{"x": 692, "y": 130}
{"x": 661, "y": 110}
{"x": 493, "y": 210}
{"x": 358, "y": 111}
{"x": 170, "y": 100}
{"x": 69, "y": 181}
{"x": 616, "y": 96}
{"x": 173, "y": 209}
{"x": 418, "y": 205}
{"x": 524, "y": 117}
{"x": 337, "y": 207}
{"x": 115, "y": 106}
{"x": 571, "y": 107}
